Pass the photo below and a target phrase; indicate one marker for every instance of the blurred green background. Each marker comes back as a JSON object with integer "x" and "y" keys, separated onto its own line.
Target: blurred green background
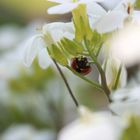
{"x": 22, "y": 12}
{"x": 33, "y": 96}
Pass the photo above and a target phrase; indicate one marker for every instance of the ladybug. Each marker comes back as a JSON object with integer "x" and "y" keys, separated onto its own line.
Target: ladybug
{"x": 81, "y": 65}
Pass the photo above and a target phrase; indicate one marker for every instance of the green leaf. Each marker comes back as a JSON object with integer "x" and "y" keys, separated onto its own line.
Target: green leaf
{"x": 96, "y": 38}
{"x": 96, "y": 43}
{"x": 58, "y": 55}
{"x": 72, "y": 47}
{"x": 132, "y": 132}
{"x": 81, "y": 23}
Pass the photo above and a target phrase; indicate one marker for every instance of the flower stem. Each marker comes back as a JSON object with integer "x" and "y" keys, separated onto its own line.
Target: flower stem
{"x": 103, "y": 81}
{"x": 66, "y": 83}
{"x": 101, "y": 71}
{"x": 94, "y": 84}
{"x": 117, "y": 78}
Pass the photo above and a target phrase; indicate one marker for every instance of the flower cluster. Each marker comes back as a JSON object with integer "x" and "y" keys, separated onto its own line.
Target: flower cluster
{"x": 84, "y": 37}
{"x": 77, "y": 46}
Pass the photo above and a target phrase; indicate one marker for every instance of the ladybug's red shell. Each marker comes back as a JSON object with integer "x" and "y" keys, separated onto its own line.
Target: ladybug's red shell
{"x": 81, "y": 65}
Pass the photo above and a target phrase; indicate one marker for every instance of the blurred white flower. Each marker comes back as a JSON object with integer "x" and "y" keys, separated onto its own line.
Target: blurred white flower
{"x": 9, "y": 36}
{"x": 106, "y": 21}
{"x": 127, "y": 6}
{"x": 111, "y": 67}
{"x": 37, "y": 45}
{"x": 126, "y": 101}
{"x": 27, "y": 132}
{"x": 98, "y": 126}
{"x": 108, "y": 5}
{"x": 66, "y": 6}
{"x": 125, "y": 45}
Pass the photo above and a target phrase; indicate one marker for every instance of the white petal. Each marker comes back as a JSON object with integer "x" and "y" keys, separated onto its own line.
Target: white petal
{"x": 123, "y": 5}
{"x": 126, "y": 101}
{"x": 60, "y": 1}
{"x": 58, "y": 26}
{"x": 31, "y": 50}
{"x": 123, "y": 77}
{"x": 68, "y": 35}
{"x": 136, "y": 16}
{"x": 121, "y": 108}
{"x": 95, "y": 12}
{"x": 115, "y": 64}
{"x": 111, "y": 67}
{"x": 62, "y": 9}
{"x": 125, "y": 45}
{"x": 69, "y": 27}
{"x": 53, "y": 26}
{"x": 88, "y": 1}
{"x": 131, "y": 1}
{"x": 44, "y": 58}
{"x": 95, "y": 9}
{"x": 89, "y": 127}
{"x": 57, "y": 35}
{"x": 110, "y": 4}
{"x": 58, "y": 30}
{"x": 113, "y": 20}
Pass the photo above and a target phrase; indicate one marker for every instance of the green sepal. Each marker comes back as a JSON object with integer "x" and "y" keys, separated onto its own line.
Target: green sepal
{"x": 96, "y": 38}
{"x": 96, "y": 43}
{"x": 58, "y": 55}
{"x": 81, "y": 23}
{"x": 72, "y": 47}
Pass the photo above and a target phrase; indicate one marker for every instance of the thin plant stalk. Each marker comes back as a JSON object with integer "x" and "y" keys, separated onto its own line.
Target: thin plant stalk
{"x": 101, "y": 71}
{"x": 67, "y": 84}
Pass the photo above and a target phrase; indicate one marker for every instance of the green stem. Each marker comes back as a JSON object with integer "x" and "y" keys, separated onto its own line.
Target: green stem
{"x": 99, "y": 49}
{"x": 103, "y": 81}
{"x": 94, "y": 84}
{"x": 117, "y": 78}
{"x": 102, "y": 73}
{"x": 66, "y": 83}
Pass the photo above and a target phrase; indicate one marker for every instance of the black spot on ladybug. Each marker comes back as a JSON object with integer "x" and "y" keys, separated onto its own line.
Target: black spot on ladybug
{"x": 81, "y": 65}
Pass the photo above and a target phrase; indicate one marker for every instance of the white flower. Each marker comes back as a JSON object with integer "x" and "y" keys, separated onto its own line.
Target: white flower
{"x": 125, "y": 45}
{"x": 37, "y": 45}
{"x": 9, "y": 36}
{"x": 133, "y": 15}
{"x": 66, "y": 6}
{"x": 127, "y": 6}
{"x": 111, "y": 67}
{"x": 106, "y": 21}
{"x": 126, "y": 101}
{"x": 109, "y": 5}
{"x": 26, "y": 132}
{"x": 90, "y": 126}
